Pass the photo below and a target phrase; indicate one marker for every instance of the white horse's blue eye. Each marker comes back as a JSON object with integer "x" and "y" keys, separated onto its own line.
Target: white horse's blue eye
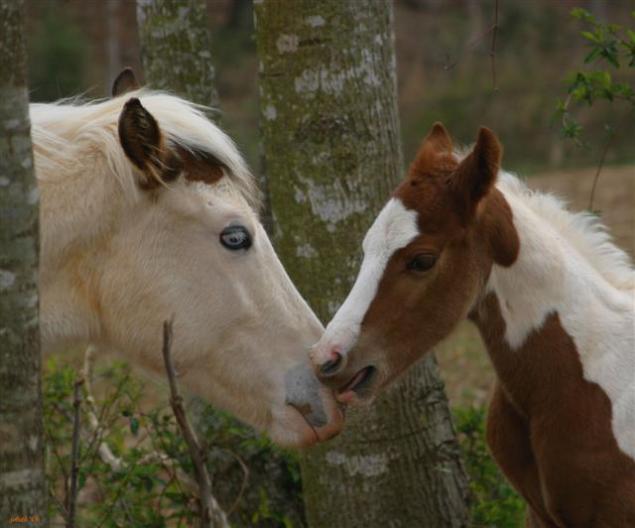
{"x": 235, "y": 237}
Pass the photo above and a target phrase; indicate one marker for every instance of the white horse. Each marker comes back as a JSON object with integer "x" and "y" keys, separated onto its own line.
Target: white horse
{"x": 149, "y": 212}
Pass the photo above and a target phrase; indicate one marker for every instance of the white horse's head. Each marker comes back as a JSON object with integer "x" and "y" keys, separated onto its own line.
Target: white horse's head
{"x": 148, "y": 213}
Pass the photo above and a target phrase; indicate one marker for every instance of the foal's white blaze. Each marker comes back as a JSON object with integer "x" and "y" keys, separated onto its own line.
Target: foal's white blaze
{"x": 568, "y": 266}
{"x": 395, "y": 227}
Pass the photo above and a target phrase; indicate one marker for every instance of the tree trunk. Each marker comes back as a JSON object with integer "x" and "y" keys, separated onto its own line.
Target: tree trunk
{"x": 113, "y": 42}
{"x": 331, "y": 145}
{"x": 22, "y": 481}
{"x": 176, "y": 48}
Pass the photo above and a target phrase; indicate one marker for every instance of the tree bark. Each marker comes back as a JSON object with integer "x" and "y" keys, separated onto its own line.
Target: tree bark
{"x": 331, "y": 145}
{"x": 22, "y": 481}
{"x": 176, "y": 48}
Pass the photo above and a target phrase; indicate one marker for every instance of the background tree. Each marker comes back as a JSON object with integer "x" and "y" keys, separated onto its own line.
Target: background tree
{"x": 176, "y": 48}
{"x": 332, "y": 151}
{"x": 22, "y": 483}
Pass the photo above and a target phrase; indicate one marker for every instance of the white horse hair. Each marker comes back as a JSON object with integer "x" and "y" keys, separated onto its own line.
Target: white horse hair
{"x": 117, "y": 260}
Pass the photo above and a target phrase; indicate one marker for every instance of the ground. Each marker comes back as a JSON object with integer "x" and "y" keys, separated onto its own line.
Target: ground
{"x": 464, "y": 364}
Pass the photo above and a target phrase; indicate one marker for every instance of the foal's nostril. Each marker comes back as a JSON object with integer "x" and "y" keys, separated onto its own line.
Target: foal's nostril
{"x": 332, "y": 365}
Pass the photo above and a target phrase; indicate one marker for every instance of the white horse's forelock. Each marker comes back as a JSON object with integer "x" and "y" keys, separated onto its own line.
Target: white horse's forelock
{"x": 69, "y": 130}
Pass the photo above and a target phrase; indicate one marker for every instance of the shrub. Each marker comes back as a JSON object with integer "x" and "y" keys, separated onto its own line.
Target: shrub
{"x": 496, "y": 504}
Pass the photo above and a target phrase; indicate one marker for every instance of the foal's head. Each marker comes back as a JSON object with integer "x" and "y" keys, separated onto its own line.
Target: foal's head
{"x": 184, "y": 242}
{"x": 426, "y": 258}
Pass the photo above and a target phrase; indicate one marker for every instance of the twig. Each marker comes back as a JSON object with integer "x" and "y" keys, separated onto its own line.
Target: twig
{"x": 171, "y": 467}
{"x": 243, "y": 484}
{"x": 599, "y": 169}
{"x": 471, "y": 45}
{"x": 492, "y": 52}
{"x": 211, "y": 514}
{"x": 104, "y": 451}
{"x": 72, "y": 497}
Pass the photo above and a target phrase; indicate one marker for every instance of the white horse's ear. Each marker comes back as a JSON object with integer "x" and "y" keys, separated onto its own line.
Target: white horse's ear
{"x": 476, "y": 174}
{"x": 143, "y": 143}
{"x": 125, "y": 82}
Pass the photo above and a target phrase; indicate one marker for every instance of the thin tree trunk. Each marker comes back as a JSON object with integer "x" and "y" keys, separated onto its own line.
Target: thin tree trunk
{"x": 22, "y": 481}
{"x": 331, "y": 143}
{"x": 176, "y": 48}
{"x": 113, "y": 40}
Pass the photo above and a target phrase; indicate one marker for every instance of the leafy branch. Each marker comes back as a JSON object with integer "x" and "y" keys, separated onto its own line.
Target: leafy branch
{"x": 611, "y": 47}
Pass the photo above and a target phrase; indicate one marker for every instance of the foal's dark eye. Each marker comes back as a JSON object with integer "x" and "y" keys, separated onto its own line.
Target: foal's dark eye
{"x": 422, "y": 262}
{"x": 235, "y": 237}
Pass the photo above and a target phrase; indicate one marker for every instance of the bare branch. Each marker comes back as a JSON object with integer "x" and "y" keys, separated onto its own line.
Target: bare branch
{"x": 104, "y": 451}
{"x": 172, "y": 467}
{"x": 600, "y": 166}
{"x": 492, "y": 52}
{"x": 72, "y": 496}
{"x": 211, "y": 514}
{"x": 243, "y": 484}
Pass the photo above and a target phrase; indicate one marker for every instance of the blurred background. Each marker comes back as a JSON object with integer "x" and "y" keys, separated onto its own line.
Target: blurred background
{"x": 444, "y": 73}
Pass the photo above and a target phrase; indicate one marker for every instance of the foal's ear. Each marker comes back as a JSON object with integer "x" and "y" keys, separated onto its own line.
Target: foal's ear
{"x": 125, "y": 82}
{"x": 436, "y": 143}
{"x": 476, "y": 174}
{"x": 143, "y": 143}
{"x": 438, "y": 139}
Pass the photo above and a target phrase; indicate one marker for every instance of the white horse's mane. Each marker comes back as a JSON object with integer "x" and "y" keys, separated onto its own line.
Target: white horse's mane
{"x": 583, "y": 230}
{"x": 71, "y": 130}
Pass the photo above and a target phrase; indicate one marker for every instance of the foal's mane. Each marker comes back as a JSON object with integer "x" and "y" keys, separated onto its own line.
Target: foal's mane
{"x": 69, "y": 131}
{"x": 583, "y": 230}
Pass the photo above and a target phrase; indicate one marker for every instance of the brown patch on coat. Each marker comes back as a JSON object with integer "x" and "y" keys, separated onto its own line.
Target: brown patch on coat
{"x": 201, "y": 166}
{"x": 584, "y": 478}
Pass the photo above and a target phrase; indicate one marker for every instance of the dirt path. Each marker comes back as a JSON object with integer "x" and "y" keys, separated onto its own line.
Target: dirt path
{"x": 464, "y": 363}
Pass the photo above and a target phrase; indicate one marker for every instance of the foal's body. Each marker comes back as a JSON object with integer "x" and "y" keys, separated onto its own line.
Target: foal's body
{"x": 554, "y": 301}
{"x": 560, "y": 330}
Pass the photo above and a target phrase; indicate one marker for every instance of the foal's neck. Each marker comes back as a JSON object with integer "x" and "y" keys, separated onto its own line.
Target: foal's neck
{"x": 547, "y": 319}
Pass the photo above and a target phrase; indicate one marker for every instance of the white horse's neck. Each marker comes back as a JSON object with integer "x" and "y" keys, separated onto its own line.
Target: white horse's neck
{"x": 552, "y": 275}
{"x": 78, "y": 217}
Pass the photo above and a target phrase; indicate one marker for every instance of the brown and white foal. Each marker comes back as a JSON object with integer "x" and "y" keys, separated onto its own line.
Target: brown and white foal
{"x": 554, "y": 301}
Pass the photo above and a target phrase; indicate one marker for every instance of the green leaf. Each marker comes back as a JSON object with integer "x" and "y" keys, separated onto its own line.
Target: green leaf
{"x": 590, "y": 36}
{"x": 582, "y": 14}
{"x": 134, "y": 425}
{"x": 595, "y": 53}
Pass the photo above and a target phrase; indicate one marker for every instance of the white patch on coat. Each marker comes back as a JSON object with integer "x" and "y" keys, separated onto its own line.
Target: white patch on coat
{"x": 394, "y": 228}
{"x": 568, "y": 265}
